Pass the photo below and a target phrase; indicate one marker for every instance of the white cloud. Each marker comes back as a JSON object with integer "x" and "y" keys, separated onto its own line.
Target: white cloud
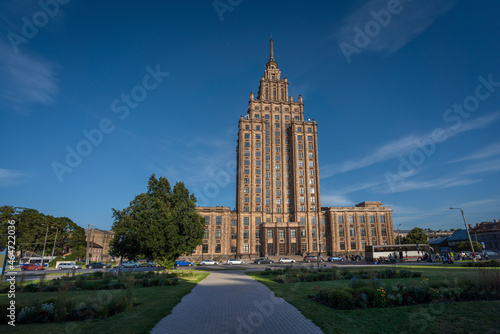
{"x": 486, "y": 152}
{"x": 484, "y": 167}
{"x": 405, "y": 145}
{"x": 414, "y": 18}
{"x": 25, "y": 79}
{"x": 439, "y": 183}
{"x": 334, "y": 200}
{"x": 9, "y": 177}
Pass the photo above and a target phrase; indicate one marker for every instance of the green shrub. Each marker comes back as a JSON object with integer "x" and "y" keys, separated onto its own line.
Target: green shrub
{"x": 32, "y": 287}
{"x": 340, "y": 299}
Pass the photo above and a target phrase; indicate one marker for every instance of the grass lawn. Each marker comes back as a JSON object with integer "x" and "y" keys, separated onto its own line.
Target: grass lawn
{"x": 154, "y": 304}
{"x": 464, "y": 317}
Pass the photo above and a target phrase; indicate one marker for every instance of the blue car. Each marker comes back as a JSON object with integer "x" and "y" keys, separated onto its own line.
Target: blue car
{"x": 336, "y": 259}
{"x": 183, "y": 263}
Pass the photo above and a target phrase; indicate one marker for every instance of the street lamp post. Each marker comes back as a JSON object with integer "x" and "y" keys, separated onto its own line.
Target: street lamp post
{"x": 54, "y": 247}
{"x": 399, "y": 238}
{"x": 468, "y": 234}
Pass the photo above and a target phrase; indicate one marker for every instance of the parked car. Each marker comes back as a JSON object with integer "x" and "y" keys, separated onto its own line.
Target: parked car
{"x": 312, "y": 258}
{"x": 263, "y": 260}
{"x": 235, "y": 261}
{"x": 152, "y": 264}
{"x": 32, "y": 266}
{"x": 68, "y": 266}
{"x": 130, "y": 264}
{"x": 208, "y": 263}
{"x": 336, "y": 259}
{"x": 286, "y": 260}
{"x": 98, "y": 265}
{"x": 183, "y": 263}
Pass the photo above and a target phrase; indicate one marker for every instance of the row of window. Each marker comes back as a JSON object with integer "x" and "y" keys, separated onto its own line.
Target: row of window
{"x": 278, "y": 209}
{"x": 361, "y": 219}
{"x": 362, "y": 232}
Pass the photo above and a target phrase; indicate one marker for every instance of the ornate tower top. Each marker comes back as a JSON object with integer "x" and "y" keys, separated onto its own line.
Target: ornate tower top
{"x": 271, "y": 63}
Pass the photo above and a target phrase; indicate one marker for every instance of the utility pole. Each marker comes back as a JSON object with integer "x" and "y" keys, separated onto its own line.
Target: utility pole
{"x": 44, "y": 243}
{"x": 88, "y": 240}
{"x": 55, "y": 240}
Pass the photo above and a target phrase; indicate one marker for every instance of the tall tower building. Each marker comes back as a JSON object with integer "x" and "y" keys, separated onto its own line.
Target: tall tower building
{"x": 278, "y": 205}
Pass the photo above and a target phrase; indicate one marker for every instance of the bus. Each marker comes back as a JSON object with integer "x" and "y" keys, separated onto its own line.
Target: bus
{"x": 36, "y": 260}
{"x": 408, "y": 252}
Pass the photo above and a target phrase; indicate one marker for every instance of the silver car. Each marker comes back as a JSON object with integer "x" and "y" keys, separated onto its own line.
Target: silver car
{"x": 68, "y": 266}
{"x": 235, "y": 261}
{"x": 208, "y": 263}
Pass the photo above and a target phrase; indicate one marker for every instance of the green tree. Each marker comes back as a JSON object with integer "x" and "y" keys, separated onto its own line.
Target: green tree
{"x": 161, "y": 224}
{"x": 465, "y": 246}
{"x": 415, "y": 236}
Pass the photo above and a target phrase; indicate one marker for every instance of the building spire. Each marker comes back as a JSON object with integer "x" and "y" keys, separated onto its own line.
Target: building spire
{"x": 271, "y": 51}
{"x": 271, "y": 63}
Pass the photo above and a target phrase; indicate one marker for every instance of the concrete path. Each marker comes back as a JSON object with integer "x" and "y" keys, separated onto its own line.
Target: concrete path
{"x": 233, "y": 302}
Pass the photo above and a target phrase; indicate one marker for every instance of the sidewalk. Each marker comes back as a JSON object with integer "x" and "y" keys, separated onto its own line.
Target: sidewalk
{"x": 232, "y": 302}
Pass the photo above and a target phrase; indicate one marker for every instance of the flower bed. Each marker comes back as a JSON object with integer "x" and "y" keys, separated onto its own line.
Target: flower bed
{"x": 306, "y": 275}
{"x": 374, "y": 294}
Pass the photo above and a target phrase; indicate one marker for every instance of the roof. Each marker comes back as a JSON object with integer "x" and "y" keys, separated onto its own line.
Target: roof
{"x": 485, "y": 227}
{"x": 459, "y": 235}
{"x": 436, "y": 241}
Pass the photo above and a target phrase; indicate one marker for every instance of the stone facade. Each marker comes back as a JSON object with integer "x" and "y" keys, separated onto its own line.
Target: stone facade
{"x": 278, "y": 206}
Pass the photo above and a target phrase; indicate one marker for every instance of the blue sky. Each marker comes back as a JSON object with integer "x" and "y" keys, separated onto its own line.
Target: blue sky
{"x": 406, "y": 96}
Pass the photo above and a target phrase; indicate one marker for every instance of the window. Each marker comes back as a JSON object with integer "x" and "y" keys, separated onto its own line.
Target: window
{"x": 351, "y": 232}
{"x": 353, "y": 244}
{"x": 301, "y": 164}
{"x": 246, "y": 190}
{"x": 246, "y": 171}
{"x": 311, "y": 172}
{"x": 218, "y": 220}
{"x": 301, "y": 172}
{"x": 300, "y": 146}
{"x": 303, "y": 233}
{"x": 382, "y": 219}
{"x": 257, "y": 180}
{"x": 363, "y": 245}
{"x": 302, "y": 199}
{"x": 313, "y": 220}
{"x": 247, "y": 145}
{"x": 341, "y": 232}
{"x": 301, "y": 190}
{"x": 257, "y": 199}
{"x": 234, "y": 236}
{"x": 311, "y": 163}
{"x": 204, "y": 249}
{"x": 246, "y": 199}
{"x": 207, "y": 220}
{"x": 247, "y": 135}
{"x": 278, "y": 192}
{"x": 309, "y": 138}
{"x": 257, "y": 154}
{"x": 245, "y": 248}
{"x": 276, "y": 133}
{"x": 234, "y": 222}
{"x": 277, "y": 141}
{"x": 281, "y": 234}
{"x": 257, "y": 127}
{"x": 309, "y": 130}
{"x": 299, "y": 137}
{"x": 257, "y": 220}
{"x": 372, "y": 219}
{"x": 257, "y": 234}
{"x": 278, "y": 201}
{"x": 311, "y": 181}
{"x": 266, "y": 116}
{"x": 361, "y": 219}
{"x": 245, "y": 234}
{"x": 310, "y": 146}
{"x": 310, "y": 155}
{"x": 293, "y": 233}
{"x": 257, "y": 136}
{"x": 311, "y": 190}
{"x": 384, "y": 232}
{"x": 268, "y": 201}
{"x": 362, "y": 232}
{"x": 351, "y": 219}
{"x": 269, "y": 234}
{"x": 302, "y": 220}
{"x": 245, "y": 220}
{"x": 301, "y": 181}
{"x": 314, "y": 233}
{"x": 233, "y": 249}
{"x": 206, "y": 234}
{"x": 217, "y": 234}
{"x": 247, "y": 127}
{"x": 342, "y": 246}
{"x": 257, "y": 190}
{"x": 246, "y": 180}
{"x": 341, "y": 219}
{"x": 278, "y": 174}
{"x": 374, "y": 232}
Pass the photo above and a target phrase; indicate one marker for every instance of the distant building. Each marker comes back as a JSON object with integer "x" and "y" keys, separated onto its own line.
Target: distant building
{"x": 98, "y": 244}
{"x": 487, "y": 233}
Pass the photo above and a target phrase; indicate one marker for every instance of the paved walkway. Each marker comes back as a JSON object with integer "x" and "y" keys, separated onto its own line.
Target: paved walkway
{"x": 233, "y": 302}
